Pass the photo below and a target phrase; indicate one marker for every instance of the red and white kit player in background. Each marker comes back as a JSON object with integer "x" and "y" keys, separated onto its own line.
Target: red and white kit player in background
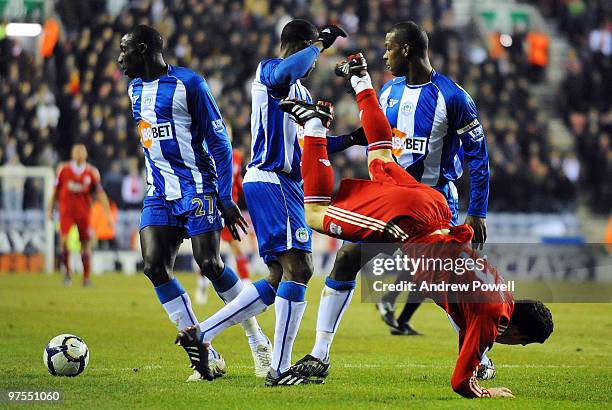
{"x": 75, "y": 185}
{"x": 242, "y": 260}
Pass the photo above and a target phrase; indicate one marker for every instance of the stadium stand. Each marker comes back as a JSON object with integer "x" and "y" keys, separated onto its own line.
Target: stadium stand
{"x": 77, "y": 93}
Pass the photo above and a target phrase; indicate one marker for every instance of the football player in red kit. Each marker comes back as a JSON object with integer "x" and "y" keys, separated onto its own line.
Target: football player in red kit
{"x": 394, "y": 207}
{"x": 242, "y": 261}
{"x": 76, "y": 182}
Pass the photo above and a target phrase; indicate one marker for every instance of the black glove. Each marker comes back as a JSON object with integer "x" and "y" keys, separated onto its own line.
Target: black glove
{"x": 329, "y": 34}
{"x": 358, "y": 137}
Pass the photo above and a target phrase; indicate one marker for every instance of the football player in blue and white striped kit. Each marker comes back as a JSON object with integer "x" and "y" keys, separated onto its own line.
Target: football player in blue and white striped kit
{"x": 275, "y": 198}
{"x": 435, "y": 126}
{"x": 188, "y": 160}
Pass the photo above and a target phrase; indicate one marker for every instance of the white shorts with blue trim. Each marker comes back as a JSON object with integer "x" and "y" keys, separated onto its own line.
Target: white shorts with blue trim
{"x": 276, "y": 206}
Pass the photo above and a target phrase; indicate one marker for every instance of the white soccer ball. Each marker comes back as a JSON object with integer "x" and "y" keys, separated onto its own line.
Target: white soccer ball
{"x": 66, "y": 355}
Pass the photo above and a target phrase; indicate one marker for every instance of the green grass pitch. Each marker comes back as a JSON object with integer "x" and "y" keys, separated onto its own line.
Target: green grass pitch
{"x": 135, "y": 364}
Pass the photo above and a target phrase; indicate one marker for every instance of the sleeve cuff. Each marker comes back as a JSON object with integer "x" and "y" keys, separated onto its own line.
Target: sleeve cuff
{"x": 477, "y": 214}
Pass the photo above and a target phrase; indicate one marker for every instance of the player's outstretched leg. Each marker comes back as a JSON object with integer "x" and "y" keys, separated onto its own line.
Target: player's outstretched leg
{"x": 375, "y": 125}
{"x": 228, "y": 286}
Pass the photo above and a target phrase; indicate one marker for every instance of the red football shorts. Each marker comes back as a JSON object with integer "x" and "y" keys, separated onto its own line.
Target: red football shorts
{"x": 393, "y": 207}
{"x": 67, "y": 219}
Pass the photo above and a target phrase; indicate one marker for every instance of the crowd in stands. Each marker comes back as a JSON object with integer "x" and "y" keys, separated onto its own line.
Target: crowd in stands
{"x": 78, "y": 94}
{"x": 585, "y": 96}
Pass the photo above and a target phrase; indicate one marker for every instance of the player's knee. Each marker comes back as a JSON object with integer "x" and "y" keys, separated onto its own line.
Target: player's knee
{"x": 301, "y": 271}
{"x": 347, "y": 263}
{"x": 157, "y": 273}
{"x": 211, "y": 267}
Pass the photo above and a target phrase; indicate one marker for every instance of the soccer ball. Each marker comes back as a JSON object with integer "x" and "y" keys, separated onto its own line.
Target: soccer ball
{"x": 66, "y": 355}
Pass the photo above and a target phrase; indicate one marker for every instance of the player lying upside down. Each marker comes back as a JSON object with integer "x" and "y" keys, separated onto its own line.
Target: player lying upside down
{"x": 394, "y": 207}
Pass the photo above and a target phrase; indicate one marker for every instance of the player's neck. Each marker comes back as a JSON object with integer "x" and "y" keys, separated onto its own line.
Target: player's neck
{"x": 155, "y": 68}
{"x": 420, "y": 72}
{"x": 78, "y": 166}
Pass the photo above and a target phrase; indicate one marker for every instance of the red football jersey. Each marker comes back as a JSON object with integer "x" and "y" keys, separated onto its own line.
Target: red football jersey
{"x": 360, "y": 212}
{"x": 75, "y": 186}
{"x": 481, "y": 315}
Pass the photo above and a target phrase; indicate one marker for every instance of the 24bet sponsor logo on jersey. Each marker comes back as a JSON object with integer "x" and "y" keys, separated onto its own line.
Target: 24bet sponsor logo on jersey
{"x": 150, "y": 133}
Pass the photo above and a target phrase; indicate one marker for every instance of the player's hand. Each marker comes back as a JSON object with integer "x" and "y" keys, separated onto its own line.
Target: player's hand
{"x": 233, "y": 218}
{"x": 500, "y": 392}
{"x": 329, "y": 34}
{"x": 479, "y": 226}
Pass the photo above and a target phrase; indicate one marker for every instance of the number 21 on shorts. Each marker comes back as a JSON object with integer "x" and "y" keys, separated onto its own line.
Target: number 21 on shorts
{"x": 203, "y": 209}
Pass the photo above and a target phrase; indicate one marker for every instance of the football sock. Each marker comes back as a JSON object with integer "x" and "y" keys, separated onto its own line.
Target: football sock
{"x": 412, "y": 304}
{"x": 65, "y": 256}
{"x": 177, "y": 304}
{"x": 242, "y": 265}
{"x": 253, "y": 300}
{"x": 203, "y": 283}
{"x": 289, "y": 306}
{"x": 229, "y": 286}
{"x": 317, "y": 172}
{"x": 335, "y": 298}
{"x": 361, "y": 83}
{"x": 85, "y": 258}
{"x": 375, "y": 124}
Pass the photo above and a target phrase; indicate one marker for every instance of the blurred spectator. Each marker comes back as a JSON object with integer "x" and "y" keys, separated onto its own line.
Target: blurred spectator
{"x": 132, "y": 187}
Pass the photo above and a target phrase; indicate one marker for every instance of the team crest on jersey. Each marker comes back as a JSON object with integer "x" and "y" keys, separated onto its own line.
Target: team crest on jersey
{"x": 301, "y": 234}
{"x": 149, "y": 133}
{"x": 211, "y": 218}
{"x": 148, "y": 100}
{"x": 218, "y": 125}
{"x": 407, "y": 108}
{"x": 335, "y": 229}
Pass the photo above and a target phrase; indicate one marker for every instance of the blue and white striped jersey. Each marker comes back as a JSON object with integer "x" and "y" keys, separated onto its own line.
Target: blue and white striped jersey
{"x": 186, "y": 147}
{"x": 275, "y": 136}
{"x": 434, "y": 125}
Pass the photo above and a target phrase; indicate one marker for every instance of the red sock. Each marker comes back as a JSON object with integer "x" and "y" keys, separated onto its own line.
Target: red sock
{"x": 317, "y": 172}
{"x": 85, "y": 257}
{"x": 375, "y": 124}
{"x": 242, "y": 264}
{"x": 65, "y": 256}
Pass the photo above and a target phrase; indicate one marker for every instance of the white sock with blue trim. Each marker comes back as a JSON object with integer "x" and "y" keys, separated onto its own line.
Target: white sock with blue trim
{"x": 251, "y": 301}
{"x": 228, "y": 287}
{"x": 177, "y": 304}
{"x": 289, "y": 306}
{"x": 335, "y": 298}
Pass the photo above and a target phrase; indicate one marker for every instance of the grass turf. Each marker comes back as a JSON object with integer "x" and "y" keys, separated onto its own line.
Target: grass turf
{"x": 135, "y": 364}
